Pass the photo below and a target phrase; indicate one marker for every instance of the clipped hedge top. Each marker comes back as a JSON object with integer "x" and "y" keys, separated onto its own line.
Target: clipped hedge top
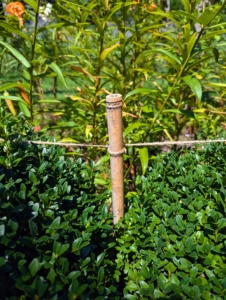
{"x": 174, "y": 242}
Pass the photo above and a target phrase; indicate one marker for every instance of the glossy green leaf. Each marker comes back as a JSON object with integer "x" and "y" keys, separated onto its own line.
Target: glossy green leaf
{"x": 132, "y": 286}
{"x": 52, "y": 26}
{"x": 211, "y": 34}
{"x": 2, "y": 230}
{"x": 24, "y": 109}
{"x": 81, "y": 289}
{"x": 11, "y": 85}
{"x": 85, "y": 262}
{"x": 143, "y": 154}
{"x": 185, "y": 14}
{"x": 162, "y": 51}
{"x": 51, "y": 276}
{"x": 188, "y": 113}
{"x": 133, "y": 126}
{"x": 190, "y": 44}
{"x": 206, "y": 16}
{"x": 100, "y": 258}
{"x": 130, "y": 297}
{"x": 32, "y": 4}
{"x": 33, "y": 228}
{"x": 32, "y": 177}
{"x": 195, "y": 86}
{"x": 74, "y": 274}
{"x": 13, "y": 225}
{"x": 117, "y": 7}
{"x": 187, "y": 5}
{"x": 179, "y": 221}
{"x": 13, "y": 30}
{"x": 33, "y": 267}
{"x": 63, "y": 249}
{"x": 16, "y": 54}
{"x": 143, "y": 284}
{"x": 189, "y": 245}
{"x": 56, "y": 223}
{"x": 106, "y": 52}
{"x": 216, "y": 84}
{"x": 142, "y": 91}
{"x": 58, "y": 72}
{"x": 100, "y": 276}
{"x": 13, "y": 98}
{"x": 56, "y": 247}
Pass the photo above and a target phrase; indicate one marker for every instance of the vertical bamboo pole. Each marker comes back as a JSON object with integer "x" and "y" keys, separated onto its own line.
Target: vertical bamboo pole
{"x": 116, "y": 150}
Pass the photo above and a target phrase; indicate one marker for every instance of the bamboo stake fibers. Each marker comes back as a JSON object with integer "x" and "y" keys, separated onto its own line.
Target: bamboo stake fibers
{"x": 116, "y": 150}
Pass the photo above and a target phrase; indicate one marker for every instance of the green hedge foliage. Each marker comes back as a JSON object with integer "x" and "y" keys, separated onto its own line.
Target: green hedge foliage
{"x": 56, "y": 235}
{"x": 54, "y": 228}
{"x": 174, "y": 245}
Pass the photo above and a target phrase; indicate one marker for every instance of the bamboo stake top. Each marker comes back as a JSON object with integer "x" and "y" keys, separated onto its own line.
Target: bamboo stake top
{"x": 114, "y": 100}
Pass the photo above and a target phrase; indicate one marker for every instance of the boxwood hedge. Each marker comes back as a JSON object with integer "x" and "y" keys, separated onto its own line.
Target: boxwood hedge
{"x": 174, "y": 240}
{"x": 54, "y": 228}
{"x": 56, "y": 235}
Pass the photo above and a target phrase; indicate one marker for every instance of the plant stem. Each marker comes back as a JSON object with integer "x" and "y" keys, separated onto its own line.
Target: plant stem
{"x": 32, "y": 58}
{"x": 97, "y": 85}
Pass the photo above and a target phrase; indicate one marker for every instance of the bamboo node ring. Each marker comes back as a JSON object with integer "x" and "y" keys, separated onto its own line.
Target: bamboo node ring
{"x": 112, "y": 105}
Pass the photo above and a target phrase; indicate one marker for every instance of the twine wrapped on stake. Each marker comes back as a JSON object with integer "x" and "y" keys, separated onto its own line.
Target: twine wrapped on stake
{"x": 116, "y": 150}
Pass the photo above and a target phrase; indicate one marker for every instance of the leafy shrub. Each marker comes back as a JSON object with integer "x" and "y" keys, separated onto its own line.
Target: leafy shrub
{"x": 173, "y": 244}
{"x": 56, "y": 236}
{"x": 54, "y": 229}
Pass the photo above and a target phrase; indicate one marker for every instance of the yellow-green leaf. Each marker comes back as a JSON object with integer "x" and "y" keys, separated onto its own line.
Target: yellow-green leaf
{"x": 206, "y": 17}
{"x": 32, "y": 4}
{"x": 107, "y": 51}
{"x": 10, "y": 104}
{"x": 143, "y": 152}
{"x": 16, "y": 54}
{"x": 195, "y": 86}
{"x": 89, "y": 128}
{"x": 58, "y": 72}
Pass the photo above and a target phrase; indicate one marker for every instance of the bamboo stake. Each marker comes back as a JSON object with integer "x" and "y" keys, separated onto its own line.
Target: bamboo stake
{"x": 116, "y": 150}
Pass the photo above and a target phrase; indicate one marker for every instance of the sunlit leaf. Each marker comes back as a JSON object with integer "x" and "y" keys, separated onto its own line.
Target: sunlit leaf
{"x": 32, "y": 4}
{"x": 195, "y": 86}
{"x": 15, "y": 31}
{"x": 24, "y": 109}
{"x": 10, "y": 104}
{"x": 11, "y": 85}
{"x": 142, "y": 91}
{"x": 106, "y": 52}
{"x": 133, "y": 126}
{"x": 188, "y": 113}
{"x": 89, "y": 128}
{"x": 191, "y": 44}
{"x": 187, "y": 5}
{"x": 16, "y": 54}
{"x": 150, "y": 53}
{"x": 206, "y": 16}
{"x": 58, "y": 72}
{"x": 143, "y": 153}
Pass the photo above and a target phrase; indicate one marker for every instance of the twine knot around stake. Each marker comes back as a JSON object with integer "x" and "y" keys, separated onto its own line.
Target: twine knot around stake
{"x": 116, "y": 153}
